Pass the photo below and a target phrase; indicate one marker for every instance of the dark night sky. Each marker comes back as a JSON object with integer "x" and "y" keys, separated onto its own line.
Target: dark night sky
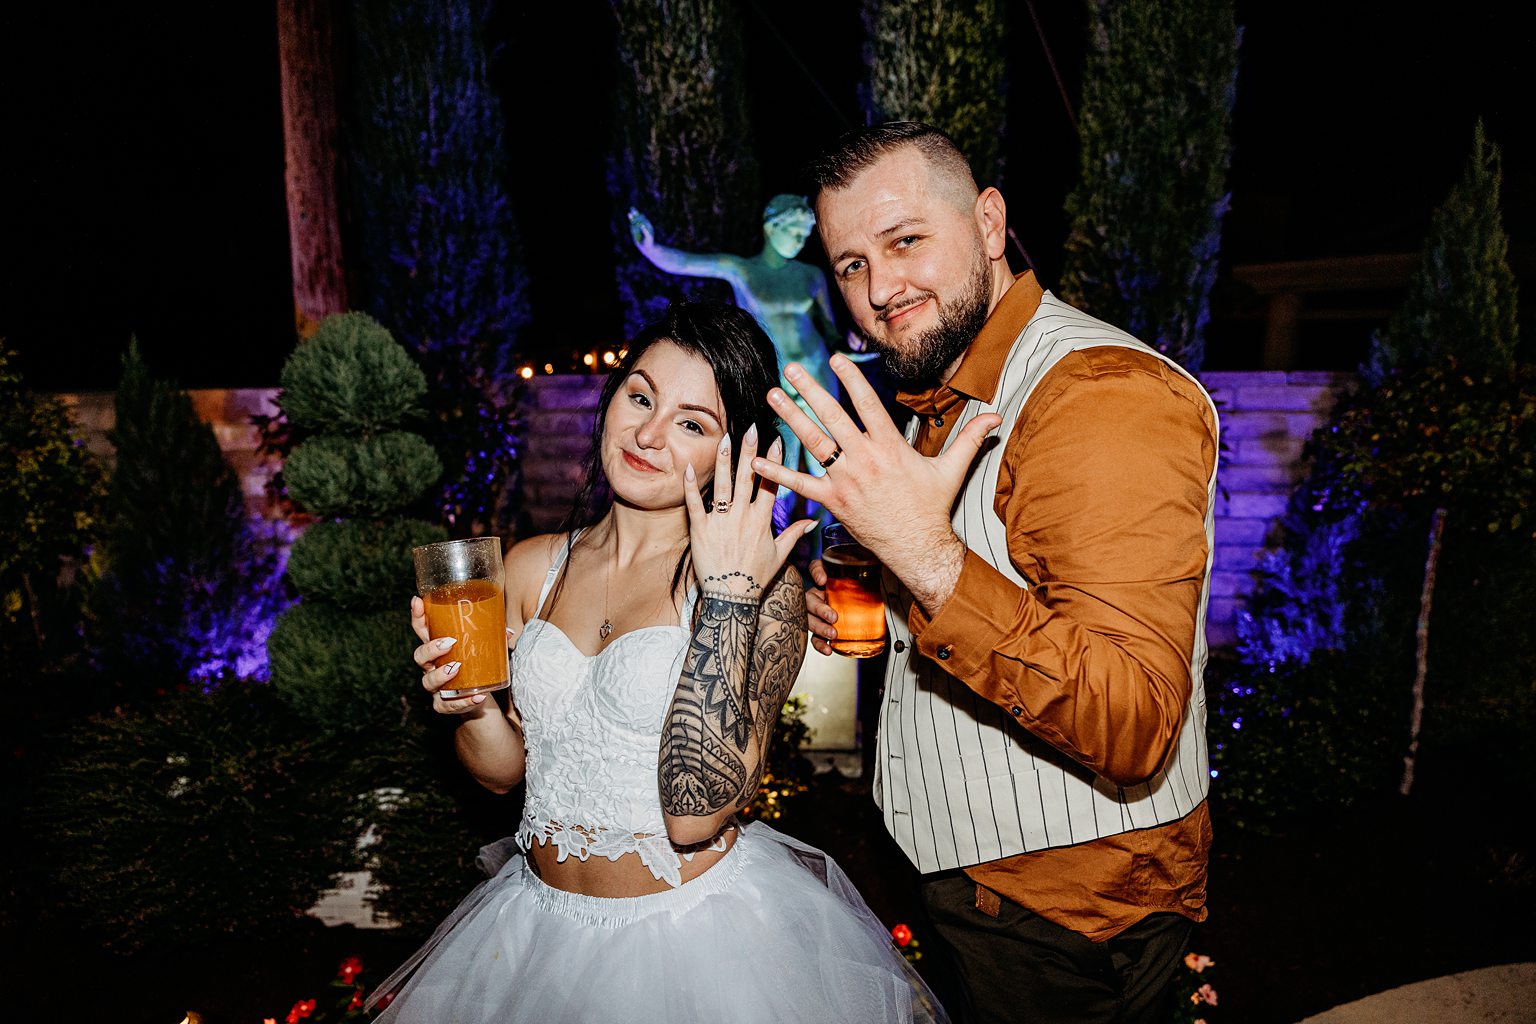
{"x": 142, "y": 171}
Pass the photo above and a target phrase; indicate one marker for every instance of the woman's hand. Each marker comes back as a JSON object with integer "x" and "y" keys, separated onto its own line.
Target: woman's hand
{"x": 438, "y": 666}
{"x": 734, "y": 550}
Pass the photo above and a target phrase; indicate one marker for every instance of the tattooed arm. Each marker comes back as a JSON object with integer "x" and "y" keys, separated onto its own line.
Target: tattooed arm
{"x": 742, "y": 660}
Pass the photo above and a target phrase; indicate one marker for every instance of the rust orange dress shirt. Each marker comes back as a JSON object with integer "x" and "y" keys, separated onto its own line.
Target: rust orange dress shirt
{"x": 1103, "y": 494}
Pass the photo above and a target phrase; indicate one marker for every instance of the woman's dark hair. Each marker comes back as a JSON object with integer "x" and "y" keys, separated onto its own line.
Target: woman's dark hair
{"x": 745, "y": 366}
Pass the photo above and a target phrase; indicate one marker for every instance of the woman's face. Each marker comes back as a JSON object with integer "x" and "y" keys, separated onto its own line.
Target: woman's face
{"x": 666, "y": 416}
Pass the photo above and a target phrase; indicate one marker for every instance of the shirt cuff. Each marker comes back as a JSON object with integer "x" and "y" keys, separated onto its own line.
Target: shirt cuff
{"x": 962, "y": 637}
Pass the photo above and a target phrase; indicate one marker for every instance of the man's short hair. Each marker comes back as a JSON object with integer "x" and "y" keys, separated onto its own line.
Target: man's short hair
{"x": 856, "y": 150}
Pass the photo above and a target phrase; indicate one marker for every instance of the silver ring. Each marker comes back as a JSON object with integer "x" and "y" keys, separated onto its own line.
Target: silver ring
{"x": 721, "y": 505}
{"x": 836, "y": 452}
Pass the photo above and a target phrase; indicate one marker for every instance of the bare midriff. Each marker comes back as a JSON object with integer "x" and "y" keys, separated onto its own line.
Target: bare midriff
{"x": 627, "y": 876}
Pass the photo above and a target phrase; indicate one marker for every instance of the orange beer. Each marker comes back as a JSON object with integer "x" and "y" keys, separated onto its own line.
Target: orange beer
{"x": 474, "y": 611}
{"x": 853, "y": 591}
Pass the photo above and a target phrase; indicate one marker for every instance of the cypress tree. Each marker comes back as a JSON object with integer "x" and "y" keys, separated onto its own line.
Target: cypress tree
{"x": 1155, "y": 126}
{"x": 943, "y": 64}
{"x": 1462, "y": 302}
{"x": 439, "y": 254}
{"x": 683, "y": 153}
{"x": 188, "y": 587}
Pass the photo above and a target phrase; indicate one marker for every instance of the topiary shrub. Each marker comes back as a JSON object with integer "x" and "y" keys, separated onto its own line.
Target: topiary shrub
{"x": 341, "y": 657}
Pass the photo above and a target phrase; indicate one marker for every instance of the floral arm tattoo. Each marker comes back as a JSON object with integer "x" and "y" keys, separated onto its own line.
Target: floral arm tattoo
{"x": 741, "y": 662}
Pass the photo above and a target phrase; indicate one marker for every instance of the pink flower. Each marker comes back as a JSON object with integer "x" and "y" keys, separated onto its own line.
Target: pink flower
{"x": 1198, "y": 962}
{"x": 1205, "y": 994}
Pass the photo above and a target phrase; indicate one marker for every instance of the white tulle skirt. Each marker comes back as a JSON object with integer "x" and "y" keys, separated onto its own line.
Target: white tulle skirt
{"x": 773, "y": 932}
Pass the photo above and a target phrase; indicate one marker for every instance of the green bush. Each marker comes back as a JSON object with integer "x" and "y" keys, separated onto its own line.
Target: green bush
{"x": 359, "y": 563}
{"x": 205, "y": 816}
{"x": 334, "y": 475}
{"x": 350, "y": 379}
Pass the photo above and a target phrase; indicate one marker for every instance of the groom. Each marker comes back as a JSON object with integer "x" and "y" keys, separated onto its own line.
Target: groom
{"x": 1041, "y": 755}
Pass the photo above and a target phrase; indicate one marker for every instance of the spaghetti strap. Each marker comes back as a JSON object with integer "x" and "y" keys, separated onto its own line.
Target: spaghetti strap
{"x": 554, "y": 570}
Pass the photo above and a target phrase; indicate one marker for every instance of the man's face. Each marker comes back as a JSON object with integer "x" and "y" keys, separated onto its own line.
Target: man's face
{"x": 788, "y": 231}
{"x": 912, "y": 265}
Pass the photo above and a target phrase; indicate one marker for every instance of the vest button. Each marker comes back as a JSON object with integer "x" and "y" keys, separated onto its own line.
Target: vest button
{"x": 938, "y": 421}
{"x": 1015, "y": 711}
{"x": 943, "y": 652}
{"x": 899, "y": 646}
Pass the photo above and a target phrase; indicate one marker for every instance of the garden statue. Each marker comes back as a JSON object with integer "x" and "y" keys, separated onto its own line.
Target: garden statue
{"x": 788, "y": 297}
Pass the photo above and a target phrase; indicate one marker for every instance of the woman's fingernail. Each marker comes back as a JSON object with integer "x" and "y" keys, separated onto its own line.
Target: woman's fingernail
{"x": 453, "y": 668}
{"x": 777, "y": 448}
{"x": 446, "y": 642}
{"x": 478, "y": 698}
{"x": 749, "y": 439}
{"x": 688, "y": 472}
{"x": 725, "y": 445}
{"x": 810, "y": 527}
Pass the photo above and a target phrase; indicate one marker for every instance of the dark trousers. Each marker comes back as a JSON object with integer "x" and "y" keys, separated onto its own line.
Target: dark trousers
{"x": 1018, "y": 966}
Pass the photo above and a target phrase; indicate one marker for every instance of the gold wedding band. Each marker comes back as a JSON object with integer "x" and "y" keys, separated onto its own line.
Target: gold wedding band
{"x": 836, "y": 452}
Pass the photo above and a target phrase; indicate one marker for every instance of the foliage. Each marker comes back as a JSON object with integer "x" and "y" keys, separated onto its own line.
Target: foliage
{"x": 943, "y": 64}
{"x": 49, "y": 510}
{"x": 1445, "y": 419}
{"x": 684, "y": 148}
{"x": 1462, "y": 301}
{"x": 787, "y": 773}
{"x": 438, "y": 251}
{"x": 344, "y": 1002}
{"x": 359, "y": 563}
{"x": 341, "y": 657}
{"x": 431, "y": 819}
{"x": 1303, "y": 739}
{"x": 1155, "y": 125}
{"x": 204, "y": 816}
{"x": 188, "y": 585}
{"x": 1440, "y": 436}
{"x": 1195, "y": 996}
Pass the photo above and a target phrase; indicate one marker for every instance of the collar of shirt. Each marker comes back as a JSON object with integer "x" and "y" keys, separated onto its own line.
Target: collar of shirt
{"x": 982, "y": 364}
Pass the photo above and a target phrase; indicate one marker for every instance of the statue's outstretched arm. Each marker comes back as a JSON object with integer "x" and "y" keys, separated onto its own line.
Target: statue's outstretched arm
{"x": 826, "y": 325}
{"x": 675, "y": 261}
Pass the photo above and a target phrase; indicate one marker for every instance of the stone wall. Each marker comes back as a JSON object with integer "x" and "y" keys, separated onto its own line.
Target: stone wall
{"x": 1265, "y": 416}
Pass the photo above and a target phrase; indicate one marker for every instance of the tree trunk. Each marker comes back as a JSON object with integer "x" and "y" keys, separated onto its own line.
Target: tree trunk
{"x": 1426, "y": 596}
{"x": 309, "y": 146}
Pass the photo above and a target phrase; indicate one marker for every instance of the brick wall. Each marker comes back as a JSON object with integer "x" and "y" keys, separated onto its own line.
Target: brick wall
{"x": 1265, "y": 417}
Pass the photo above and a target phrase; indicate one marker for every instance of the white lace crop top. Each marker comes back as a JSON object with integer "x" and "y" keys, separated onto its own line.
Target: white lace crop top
{"x": 592, "y": 727}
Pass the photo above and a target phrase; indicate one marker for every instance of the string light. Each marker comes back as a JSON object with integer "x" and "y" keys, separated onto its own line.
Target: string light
{"x": 525, "y": 372}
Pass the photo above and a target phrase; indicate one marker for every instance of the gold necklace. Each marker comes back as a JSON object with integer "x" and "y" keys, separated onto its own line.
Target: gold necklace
{"x": 606, "y": 629}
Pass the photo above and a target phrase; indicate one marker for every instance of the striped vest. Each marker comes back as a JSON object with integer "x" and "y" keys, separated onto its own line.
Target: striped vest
{"x": 958, "y": 780}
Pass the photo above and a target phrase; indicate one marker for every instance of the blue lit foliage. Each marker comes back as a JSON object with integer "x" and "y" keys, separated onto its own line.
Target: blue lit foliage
{"x": 440, "y": 262}
{"x": 1445, "y": 420}
{"x": 683, "y": 154}
{"x": 188, "y": 585}
{"x": 1155, "y": 125}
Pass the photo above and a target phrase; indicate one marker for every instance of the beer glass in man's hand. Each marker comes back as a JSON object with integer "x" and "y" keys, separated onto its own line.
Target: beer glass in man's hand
{"x": 854, "y": 592}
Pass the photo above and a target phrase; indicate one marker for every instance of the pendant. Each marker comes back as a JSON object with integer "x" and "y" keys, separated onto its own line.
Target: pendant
{"x": 605, "y": 629}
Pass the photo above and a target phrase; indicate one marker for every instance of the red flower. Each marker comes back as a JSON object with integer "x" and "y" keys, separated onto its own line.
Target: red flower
{"x": 302, "y": 1008}
{"x": 350, "y": 968}
{"x": 902, "y": 934}
{"x": 357, "y": 1000}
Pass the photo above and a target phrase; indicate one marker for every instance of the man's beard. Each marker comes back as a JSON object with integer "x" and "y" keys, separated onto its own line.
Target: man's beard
{"x": 928, "y": 355}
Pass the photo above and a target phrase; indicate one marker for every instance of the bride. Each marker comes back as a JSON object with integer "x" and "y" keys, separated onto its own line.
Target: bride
{"x": 655, "y": 644}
